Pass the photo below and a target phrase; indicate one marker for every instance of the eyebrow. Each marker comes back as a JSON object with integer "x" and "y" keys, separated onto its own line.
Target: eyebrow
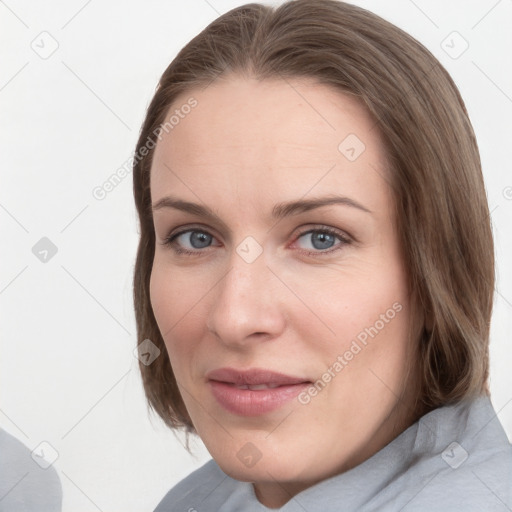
{"x": 279, "y": 211}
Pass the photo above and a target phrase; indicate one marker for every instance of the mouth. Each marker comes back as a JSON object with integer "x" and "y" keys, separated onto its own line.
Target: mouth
{"x": 253, "y": 392}
{"x": 254, "y": 379}
{"x": 254, "y": 387}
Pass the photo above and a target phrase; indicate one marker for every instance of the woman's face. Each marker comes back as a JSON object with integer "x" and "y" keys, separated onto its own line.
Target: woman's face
{"x": 280, "y": 280}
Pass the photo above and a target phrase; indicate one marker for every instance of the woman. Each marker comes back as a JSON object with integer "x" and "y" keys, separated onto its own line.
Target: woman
{"x": 316, "y": 267}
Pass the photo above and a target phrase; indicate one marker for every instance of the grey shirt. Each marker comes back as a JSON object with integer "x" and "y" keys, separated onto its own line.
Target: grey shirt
{"x": 455, "y": 458}
{"x": 24, "y": 485}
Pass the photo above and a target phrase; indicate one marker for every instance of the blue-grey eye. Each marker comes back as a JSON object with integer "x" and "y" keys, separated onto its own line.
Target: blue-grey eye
{"x": 196, "y": 239}
{"x": 319, "y": 240}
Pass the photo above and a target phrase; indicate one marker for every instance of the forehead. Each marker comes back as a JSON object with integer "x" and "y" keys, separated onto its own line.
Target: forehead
{"x": 278, "y": 137}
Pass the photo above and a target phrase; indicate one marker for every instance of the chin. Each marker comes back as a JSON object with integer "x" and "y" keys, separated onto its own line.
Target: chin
{"x": 258, "y": 461}
{"x": 263, "y": 471}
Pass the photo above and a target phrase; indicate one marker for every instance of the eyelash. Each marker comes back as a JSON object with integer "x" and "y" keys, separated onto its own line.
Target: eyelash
{"x": 170, "y": 241}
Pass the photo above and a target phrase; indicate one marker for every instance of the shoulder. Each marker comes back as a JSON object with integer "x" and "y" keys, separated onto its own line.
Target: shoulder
{"x": 208, "y": 482}
{"x": 26, "y": 484}
{"x": 469, "y": 466}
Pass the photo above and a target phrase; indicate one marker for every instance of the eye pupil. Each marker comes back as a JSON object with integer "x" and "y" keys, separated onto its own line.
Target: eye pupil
{"x": 322, "y": 240}
{"x": 198, "y": 240}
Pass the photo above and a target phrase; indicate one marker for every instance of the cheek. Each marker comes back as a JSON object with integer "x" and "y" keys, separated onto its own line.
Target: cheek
{"x": 175, "y": 306}
{"x": 349, "y": 299}
{"x": 162, "y": 295}
{"x": 173, "y": 294}
{"x": 368, "y": 314}
{"x": 375, "y": 345}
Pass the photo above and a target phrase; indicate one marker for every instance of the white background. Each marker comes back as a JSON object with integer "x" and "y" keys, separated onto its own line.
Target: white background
{"x": 68, "y": 374}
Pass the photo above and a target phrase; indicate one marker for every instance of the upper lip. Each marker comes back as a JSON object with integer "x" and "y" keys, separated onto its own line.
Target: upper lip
{"x": 253, "y": 377}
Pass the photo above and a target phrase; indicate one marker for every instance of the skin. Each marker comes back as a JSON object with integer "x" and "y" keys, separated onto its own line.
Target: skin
{"x": 245, "y": 147}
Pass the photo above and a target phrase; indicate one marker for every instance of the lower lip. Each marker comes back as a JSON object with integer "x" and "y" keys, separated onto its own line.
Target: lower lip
{"x": 246, "y": 402}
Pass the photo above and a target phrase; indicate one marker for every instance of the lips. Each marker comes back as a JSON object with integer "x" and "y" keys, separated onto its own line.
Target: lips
{"x": 254, "y": 378}
{"x": 253, "y": 392}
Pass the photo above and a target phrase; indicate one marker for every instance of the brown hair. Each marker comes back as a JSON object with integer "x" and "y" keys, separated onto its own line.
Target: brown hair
{"x": 442, "y": 212}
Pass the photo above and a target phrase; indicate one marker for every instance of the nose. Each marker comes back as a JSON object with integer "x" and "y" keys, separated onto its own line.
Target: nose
{"x": 247, "y": 305}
